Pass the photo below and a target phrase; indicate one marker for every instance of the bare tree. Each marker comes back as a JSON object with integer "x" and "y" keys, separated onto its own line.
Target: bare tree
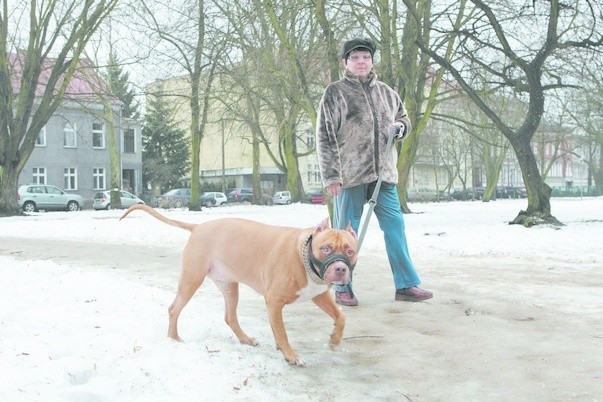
{"x": 189, "y": 46}
{"x": 585, "y": 108}
{"x": 274, "y": 69}
{"x": 59, "y": 30}
{"x": 520, "y": 47}
{"x": 405, "y": 68}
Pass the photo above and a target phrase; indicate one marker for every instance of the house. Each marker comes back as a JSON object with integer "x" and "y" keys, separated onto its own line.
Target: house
{"x": 72, "y": 151}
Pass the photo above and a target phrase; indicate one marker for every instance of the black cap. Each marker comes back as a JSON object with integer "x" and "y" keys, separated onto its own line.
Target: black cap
{"x": 355, "y": 44}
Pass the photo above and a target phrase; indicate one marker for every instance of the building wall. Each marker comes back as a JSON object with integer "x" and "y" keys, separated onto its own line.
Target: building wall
{"x": 54, "y": 157}
{"x": 226, "y": 146}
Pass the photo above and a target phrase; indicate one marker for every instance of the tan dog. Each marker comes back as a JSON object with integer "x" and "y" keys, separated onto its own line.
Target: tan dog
{"x": 283, "y": 264}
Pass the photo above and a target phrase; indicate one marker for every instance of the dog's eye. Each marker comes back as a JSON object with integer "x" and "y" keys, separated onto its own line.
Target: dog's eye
{"x": 349, "y": 252}
{"x": 325, "y": 249}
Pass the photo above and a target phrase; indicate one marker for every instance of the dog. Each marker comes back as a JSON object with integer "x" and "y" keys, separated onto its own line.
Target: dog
{"x": 283, "y": 264}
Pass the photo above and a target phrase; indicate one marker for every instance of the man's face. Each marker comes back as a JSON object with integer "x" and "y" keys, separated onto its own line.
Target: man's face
{"x": 359, "y": 63}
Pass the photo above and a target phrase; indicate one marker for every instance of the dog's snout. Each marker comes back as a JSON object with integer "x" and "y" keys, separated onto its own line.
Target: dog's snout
{"x": 341, "y": 269}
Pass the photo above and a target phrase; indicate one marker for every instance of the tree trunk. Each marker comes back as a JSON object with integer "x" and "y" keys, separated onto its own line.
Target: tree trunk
{"x": 10, "y": 184}
{"x": 255, "y": 175}
{"x": 406, "y": 155}
{"x": 195, "y": 202}
{"x": 114, "y": 157}
{"x": 539, "y": 193}
{"x": 291, "y": 159}
{"x": 598, "y": 173}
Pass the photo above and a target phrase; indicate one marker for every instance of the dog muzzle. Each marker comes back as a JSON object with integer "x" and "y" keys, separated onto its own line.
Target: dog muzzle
{"x": 324, "y": 264}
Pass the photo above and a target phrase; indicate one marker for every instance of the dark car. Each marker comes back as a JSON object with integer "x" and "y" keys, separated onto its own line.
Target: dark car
{"x": 176, "y": 198}
{"x": 421, "y": 194}
{"x": 523, "y": 193}
{"x": 240, "y": 194}
{"x": 245, "y": 194}
{"x": 510, "y": 192}
{"x": 471, "y": 193}
{"x": 315, "y": 196}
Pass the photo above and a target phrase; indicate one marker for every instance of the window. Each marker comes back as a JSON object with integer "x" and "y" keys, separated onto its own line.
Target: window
{"x": 310, "y": 138}
{"x": 70, "y": 179}
{"x": 39, "y": 175}
{"x": 41, "y": 140}
{"x": 129, "y": 143}
{"x": 99, "y": 178}
{"x": 69, "y": 136}
{"x": 313, "y": 174}
{"x": 98, "y": 135}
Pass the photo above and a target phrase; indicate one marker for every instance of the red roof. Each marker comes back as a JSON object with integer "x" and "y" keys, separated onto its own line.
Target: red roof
{"x": 85, "y": 83}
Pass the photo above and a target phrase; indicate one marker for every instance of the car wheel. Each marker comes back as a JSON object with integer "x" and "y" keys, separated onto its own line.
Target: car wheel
{"x": 73, "y": 206}
{"x": 29, "y": 206}
{"x": 207, "y": 204}
{"x": 108, "y": 207}
{"x": 288, "y": 202}
{"x": 178, "y": 204}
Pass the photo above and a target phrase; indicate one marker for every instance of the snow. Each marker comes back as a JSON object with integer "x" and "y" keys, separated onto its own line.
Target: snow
{"x": 91, "y": 331}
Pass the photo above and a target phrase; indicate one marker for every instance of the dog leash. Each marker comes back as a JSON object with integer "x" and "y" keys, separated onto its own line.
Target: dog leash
{"x": 373, "y": 201}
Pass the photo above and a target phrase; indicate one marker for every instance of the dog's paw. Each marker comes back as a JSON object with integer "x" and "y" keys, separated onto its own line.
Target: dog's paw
{"x": 335, "y": 340}
{"x": 250, "y": 341}
{"x": 296, "y": 361}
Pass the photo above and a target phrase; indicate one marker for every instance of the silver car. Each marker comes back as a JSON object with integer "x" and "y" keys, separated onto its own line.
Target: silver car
{"x": 282, "y": 197}
{"x": 102, "y": 200}
{"x": 33, "y": 197}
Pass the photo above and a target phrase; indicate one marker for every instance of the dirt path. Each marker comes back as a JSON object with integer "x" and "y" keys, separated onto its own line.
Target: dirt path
{"x": 495, "y": 330}
{"x": 154, "y": 266}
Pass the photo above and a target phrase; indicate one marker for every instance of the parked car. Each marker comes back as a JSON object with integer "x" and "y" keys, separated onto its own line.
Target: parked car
{"x": 213, "y": 199}
{"x": 444, "y": 195}
{"x": 282, "y": 197}
{"x": 102, "y": 200}
{"x": 34, "y": 197}
{"x": 511, "y": 192}
{"x": 176, "y": 198}
{"x": 245, "y": 194}
{"x": 471, "y": 193}
{"x": 523, "y": 193}
{"x": 315, "y": 196}
{"x": 421, "y": 194}
{"x": 240, "y": 195}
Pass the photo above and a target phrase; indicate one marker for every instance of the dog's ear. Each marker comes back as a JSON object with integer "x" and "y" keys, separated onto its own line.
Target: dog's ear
{"x": 322, "y": 225}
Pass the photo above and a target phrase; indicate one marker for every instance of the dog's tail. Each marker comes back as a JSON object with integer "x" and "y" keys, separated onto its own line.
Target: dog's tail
{"x": 152, "y": 212}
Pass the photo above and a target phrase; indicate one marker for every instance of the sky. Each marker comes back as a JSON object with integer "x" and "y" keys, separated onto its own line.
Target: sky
{"x": 78, "y": 324}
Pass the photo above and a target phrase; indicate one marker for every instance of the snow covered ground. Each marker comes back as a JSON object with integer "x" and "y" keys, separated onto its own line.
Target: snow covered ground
{"x": 516, "y": 313}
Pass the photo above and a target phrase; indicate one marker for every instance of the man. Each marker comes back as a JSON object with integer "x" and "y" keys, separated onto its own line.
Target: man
{"x": 354, "y": 117}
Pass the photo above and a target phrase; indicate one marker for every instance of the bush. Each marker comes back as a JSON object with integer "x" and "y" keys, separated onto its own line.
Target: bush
{"x": 574, "y": 191}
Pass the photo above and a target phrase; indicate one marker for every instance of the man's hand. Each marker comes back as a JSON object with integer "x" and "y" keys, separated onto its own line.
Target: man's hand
{"x": 401, "y": 130}
{"x": 333, "y": 189}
